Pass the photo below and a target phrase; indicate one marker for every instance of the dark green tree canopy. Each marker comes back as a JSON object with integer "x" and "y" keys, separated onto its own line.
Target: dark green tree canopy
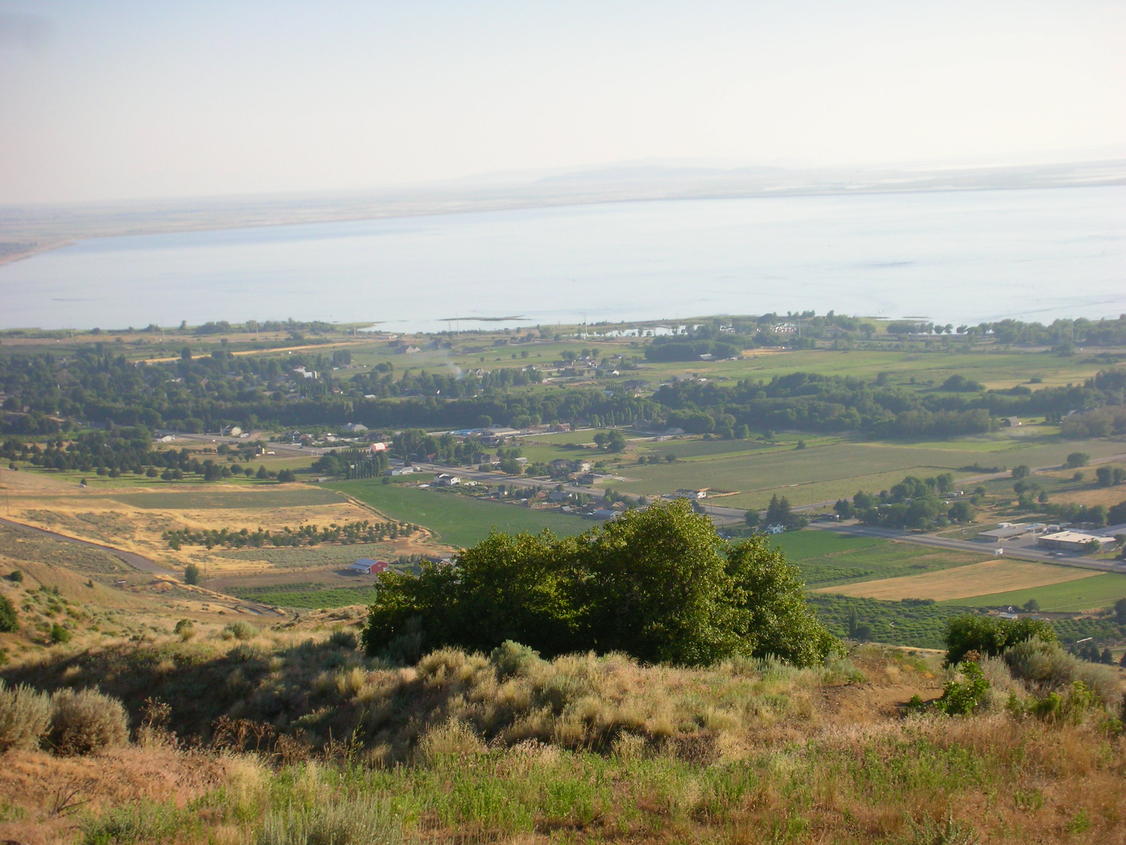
{"x": 991, "y": 635}
{"x": 658, "y": 584}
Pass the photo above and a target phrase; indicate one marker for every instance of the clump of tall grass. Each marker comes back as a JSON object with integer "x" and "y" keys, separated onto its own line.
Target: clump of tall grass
{"x": 142, "y": 822}
{"x": 332, "y": 820}
{"x": 453, "y": 739}
{"x": 86, "y": 720}
{"x": 25, "y": 715}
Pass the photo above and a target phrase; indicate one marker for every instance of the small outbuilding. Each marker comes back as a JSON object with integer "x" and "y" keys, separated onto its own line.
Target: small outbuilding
{"x": 367, "y": 566}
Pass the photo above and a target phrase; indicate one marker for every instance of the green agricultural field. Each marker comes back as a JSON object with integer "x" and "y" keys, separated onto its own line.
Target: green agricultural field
{"x": 1097, "y": 592}
{"x": 284, "y": 497}
{"x": 827, "y": 558}
{"x": 456, "y": 520}
{"x": 831, "y": 468}
{"x": 909, "y": 623}
{"x": 911, "y": 368}
{"x": 923, "y": 624}
{"x": 562, "y": 438}
{"x": 694, "y": 448}
{"x": 309, "y": 597}
{"x": 804, "y": 476}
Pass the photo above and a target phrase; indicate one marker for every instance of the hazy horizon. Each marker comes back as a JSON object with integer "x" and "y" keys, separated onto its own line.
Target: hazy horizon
{"x": 130, "y": 100}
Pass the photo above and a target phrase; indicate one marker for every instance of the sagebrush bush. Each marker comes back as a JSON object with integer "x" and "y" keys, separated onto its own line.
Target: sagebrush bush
{"x": 239, "y": 631}
{"x": 25, "y": 714}
{"x": 511, "y": 658}
{"x": 86, "y": 720}
{"x": 185, "y": 630}
{"x": 1047, "y": 668}
{"x": 344, "y": 639}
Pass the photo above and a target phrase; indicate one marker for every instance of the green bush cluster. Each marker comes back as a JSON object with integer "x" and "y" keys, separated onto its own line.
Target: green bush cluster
{"x": 8, "y": 619}
{"x": 962, "y": 697}
{"x": 991, "y": 635}
{"x": 658, "y": 584}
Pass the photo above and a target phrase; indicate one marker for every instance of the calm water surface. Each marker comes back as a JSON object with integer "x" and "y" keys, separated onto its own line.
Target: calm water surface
{"x": 959, "y": 257}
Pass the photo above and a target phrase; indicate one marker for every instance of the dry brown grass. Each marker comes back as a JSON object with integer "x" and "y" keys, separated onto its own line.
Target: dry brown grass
{"x": 1106, "y": 496}
{"x": 53, "y": 791}
{"x": 993, "y": 576}
{"x": 500, "y": 749}
{"x": 53, "y": 504}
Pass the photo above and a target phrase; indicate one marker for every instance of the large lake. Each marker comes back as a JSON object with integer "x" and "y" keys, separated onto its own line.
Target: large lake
{"x": 957, "y": 257}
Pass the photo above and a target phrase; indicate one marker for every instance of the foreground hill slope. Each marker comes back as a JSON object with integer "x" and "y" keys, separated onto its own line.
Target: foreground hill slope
{"x": 287, "y": 736}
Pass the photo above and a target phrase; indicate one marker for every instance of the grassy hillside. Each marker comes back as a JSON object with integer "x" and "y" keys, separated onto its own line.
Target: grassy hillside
{"x": 298, "y": 739}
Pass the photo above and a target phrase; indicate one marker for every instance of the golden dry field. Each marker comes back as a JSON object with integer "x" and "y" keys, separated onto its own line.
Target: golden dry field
{"x": 991, "y": 576}
{"x": 135, "y": 518}
{"x": 1106, "y": 496}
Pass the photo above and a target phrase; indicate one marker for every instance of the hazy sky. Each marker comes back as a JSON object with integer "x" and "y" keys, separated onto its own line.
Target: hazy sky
{"x": 145, "y": 98}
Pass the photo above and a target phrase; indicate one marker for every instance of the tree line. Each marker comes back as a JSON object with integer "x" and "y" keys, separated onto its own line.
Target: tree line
{"x": 362, "y": 531}
{"x": 204, "y": 393}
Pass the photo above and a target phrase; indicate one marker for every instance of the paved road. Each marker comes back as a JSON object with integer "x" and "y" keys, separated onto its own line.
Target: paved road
{"x": 128, "y": 558}
{"x": 1078, "y": 561}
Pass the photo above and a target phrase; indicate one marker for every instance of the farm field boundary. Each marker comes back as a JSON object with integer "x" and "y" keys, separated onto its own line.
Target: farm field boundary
{"x": 455, "y": 519}
{"x": 1087, "y": 594}
{"x": 963, "y": 581}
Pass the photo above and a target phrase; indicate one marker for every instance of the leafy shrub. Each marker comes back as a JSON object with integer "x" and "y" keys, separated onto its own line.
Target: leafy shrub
{"x": 185, "y": 630}
{"x": 8, "y": 620}
{"x": 1069, "y": 706}
{"x": 960, "y": 698}
{"x": 991, "y": 635}
{"x": 239, "y": 631}
{"x": 59, "y": 634}
{"x": 85, "y": 721}
{"x": 15, "y": 576}
{"x": 191, "y": 574}
{"x": 25, "y": 714}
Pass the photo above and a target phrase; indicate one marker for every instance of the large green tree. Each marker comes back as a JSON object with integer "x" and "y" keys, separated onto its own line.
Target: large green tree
{"x": 657, "y": 583}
